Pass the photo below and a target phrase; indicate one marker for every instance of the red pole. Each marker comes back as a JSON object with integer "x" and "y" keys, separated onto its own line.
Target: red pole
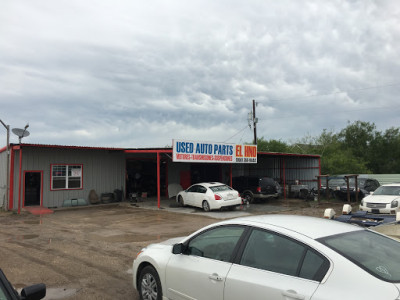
{"x": 158, "y": 179}
{"x": 20, "y": 180}
{"x": 11, "y": 197}
{"x": 230, "y": 175}
{"x": 284, "y": 180}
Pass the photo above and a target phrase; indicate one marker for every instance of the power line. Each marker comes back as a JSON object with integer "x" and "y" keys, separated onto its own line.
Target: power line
{"x": 241, "y": 130}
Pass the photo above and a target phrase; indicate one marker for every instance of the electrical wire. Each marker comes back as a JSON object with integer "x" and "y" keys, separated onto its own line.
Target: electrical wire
{"x": 236, "y": 133}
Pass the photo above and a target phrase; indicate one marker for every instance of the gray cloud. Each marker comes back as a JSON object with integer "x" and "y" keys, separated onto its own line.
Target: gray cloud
{"x": 135, "y": 74}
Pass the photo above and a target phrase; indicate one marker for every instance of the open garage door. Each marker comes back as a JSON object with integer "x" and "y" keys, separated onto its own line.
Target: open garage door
{"x": 205, "y": 172}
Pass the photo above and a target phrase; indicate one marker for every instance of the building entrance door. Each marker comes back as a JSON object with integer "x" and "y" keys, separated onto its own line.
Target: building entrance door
{"x": 33, "y": 184}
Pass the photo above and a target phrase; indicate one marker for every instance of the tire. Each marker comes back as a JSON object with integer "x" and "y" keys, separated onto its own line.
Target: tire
{"x": 206, "y": 206}
{"x": 248, "y": 197}
{"x": 149, "y": 284}
{"x": 180, "y": 201}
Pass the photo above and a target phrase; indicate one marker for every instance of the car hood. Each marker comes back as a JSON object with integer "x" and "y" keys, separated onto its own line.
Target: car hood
{"x": 381, "y": 198}
{"x": 169, "y": 242}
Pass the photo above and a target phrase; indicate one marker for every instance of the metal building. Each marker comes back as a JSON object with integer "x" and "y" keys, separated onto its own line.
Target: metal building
{"x": 50, "y": 175}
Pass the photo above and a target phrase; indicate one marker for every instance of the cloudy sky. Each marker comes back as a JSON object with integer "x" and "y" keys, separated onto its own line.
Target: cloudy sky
{"x": 127, "y": 73}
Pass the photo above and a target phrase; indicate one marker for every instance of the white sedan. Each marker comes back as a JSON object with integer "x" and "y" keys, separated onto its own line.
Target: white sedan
{"x": 271, "y": 257}
{"x": 209, "y": 196}
{"x": 385, "y": 199}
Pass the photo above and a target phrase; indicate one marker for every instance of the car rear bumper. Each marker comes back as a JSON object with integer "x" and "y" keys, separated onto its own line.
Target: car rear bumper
{"x": 225, "y": 203}
{"x": 266, "y": 196}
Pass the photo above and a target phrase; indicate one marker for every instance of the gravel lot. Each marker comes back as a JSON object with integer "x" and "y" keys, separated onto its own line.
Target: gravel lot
{"x": 87, "y": 253}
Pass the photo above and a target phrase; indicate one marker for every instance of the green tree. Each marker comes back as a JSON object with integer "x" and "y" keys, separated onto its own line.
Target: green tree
{"x": 357, "y": 138}
{"x": 272, "y": 145}
{"x": 385, "y": 152}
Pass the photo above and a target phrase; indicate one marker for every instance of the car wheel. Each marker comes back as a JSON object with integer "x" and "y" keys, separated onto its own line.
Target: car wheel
{"x": 149, "y": 284}
{"x": 205, "y": 205}
{"x": 248, "y": 197}
{"x": 180, "y": 201}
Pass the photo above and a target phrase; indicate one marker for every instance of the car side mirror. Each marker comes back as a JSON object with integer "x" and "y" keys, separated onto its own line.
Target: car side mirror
{"x": 371, "y": 193}
{"x": 178, "y": 248}
{"x": 34, "y": 292}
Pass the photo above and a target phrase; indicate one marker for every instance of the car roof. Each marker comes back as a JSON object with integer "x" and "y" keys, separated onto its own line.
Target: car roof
{"x": 391, "y": 184}
{"x": 208, "y": 184}
{"x": 311, "y": 227}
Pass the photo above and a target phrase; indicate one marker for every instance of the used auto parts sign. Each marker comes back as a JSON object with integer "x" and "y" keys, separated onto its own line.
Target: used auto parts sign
{"x": 191, "y": 151}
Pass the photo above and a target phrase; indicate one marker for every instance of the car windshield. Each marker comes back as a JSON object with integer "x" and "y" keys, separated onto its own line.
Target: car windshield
{"x": 375, "y": 253}
{"x": 360, "y": 182}
{"x": 266, "y": 182}
{"x": 220, "y": 188}
{"x": 336, "y": 182}
{"x": 388, "y": 190}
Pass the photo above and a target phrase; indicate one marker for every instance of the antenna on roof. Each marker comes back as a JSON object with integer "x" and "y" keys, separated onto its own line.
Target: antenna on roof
{"x": 21, "y": 133}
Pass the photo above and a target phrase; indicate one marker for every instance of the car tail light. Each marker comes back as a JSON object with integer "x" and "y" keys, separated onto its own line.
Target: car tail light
{"x": 258, "y": 189}
{"x": 217, "y": 197}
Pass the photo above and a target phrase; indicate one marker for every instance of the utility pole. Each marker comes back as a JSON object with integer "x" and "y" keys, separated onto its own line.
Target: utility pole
{"x": 255, "y": 120}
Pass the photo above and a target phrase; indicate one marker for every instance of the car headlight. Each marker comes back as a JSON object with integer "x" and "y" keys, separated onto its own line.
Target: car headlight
{"x": 394, "y": 204}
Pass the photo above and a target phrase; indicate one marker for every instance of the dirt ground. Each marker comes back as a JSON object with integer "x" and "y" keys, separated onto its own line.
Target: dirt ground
{"x": 87, "y": 253}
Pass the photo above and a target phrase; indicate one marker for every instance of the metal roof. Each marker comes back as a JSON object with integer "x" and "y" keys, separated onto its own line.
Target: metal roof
{"x": 146, "y": 150}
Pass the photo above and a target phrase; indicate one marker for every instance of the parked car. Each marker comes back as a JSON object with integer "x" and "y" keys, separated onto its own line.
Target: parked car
{"x": 209, "y": 196}
{"x": 256, "y": 188}
{"x": 271, "y": 257}
{"x": 8, "y": 292}
{"x": 385, "y": 199}
{"x": 334, "y": 183}
{"x": 364, "y": 185}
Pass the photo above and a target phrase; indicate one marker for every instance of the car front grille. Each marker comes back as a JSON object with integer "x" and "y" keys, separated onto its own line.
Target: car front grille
{"x": 376, "y": 205}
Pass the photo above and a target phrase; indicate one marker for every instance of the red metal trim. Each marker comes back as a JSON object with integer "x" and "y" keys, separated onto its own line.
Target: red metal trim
{"x": 284, "y": 179}
{"x": 11, "y": 195}
{"x": 319, "y": 180}
{"x": 51, "y": 177}
{"x": 166, "y": 178}
{"x": 72, "y": 147}
{"x": 289, "y": 154}
{"x": 230, "y": 175}
{"x": 158, "y": 180}
{"x": 41, "y": 186}
{"x": 19, "y": 189}
{"x": 149, "y": 151}
{"x": 3, "y": 149}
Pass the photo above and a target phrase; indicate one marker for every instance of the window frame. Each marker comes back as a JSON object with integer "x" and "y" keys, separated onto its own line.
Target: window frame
{"x": 52, "y": 177}
{"x": 321, "y": 273}
{"x": 238, "y": 245}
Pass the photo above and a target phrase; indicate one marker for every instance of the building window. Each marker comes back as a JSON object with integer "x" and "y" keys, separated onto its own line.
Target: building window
{"x": 66, "y": 177}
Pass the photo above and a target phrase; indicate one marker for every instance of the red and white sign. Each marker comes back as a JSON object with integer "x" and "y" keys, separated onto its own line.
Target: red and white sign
{"x": 191, "y": 151}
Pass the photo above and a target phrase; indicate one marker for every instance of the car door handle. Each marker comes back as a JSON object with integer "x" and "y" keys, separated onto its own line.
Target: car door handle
{"x": 215, "y": 277}
{"x": 293, "y": 295}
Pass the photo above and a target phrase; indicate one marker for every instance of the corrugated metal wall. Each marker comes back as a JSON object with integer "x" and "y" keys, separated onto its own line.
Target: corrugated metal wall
{"x": 383, "y": 178}
{"x": 292, "y": 168}
{"x": 3, "y": 177}
{"x": 102, "y": 170}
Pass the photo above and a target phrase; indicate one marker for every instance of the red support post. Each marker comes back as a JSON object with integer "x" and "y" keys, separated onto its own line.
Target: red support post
{"x": 20, "y": 180}
{"x": 158, "y": 179}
